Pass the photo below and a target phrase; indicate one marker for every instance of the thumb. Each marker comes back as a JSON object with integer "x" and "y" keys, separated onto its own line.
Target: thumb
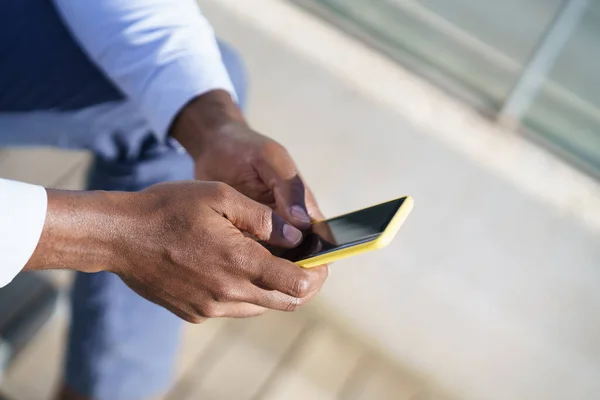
{"x": 280, "y": 175}
{"x": 290, "y": 201}
{"x": 259, "y": 220}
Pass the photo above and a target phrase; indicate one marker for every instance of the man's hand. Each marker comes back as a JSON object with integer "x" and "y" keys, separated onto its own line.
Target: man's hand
{"x": 226, "y": 149}
{"x": 180, "y": 245}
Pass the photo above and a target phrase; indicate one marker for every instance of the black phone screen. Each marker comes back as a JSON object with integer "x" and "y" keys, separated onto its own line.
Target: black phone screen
{"x": 341, "y": 232}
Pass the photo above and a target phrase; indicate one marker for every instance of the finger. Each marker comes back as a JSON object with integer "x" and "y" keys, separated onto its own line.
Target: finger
{"x": 257, "y": 219}
{"x": 311, "y": 295}
{"x": 229, "y": 310}
{"x": 280, "y": 174}
{"x": 275, "y": 300}
{"x": 243, "y": 310}
{"x": 288, "y": 278}
{"x": 290, "y": 201}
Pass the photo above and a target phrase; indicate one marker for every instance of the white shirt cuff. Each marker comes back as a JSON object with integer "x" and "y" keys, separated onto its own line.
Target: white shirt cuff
{"x": 22, "y": 217}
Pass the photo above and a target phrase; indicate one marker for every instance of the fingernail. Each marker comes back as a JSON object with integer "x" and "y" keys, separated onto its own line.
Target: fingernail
{"x": 300, "y": 214}
{"x": 292, "y": 234}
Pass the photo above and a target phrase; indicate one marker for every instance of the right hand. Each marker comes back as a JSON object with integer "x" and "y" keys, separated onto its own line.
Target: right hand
{"x": 182, "y": 246}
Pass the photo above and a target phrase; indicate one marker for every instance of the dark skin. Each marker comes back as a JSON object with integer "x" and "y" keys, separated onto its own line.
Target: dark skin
{"x": 230, "y": 151}
{"x": 191, "y": 246}
{"x": 180, "y": 245}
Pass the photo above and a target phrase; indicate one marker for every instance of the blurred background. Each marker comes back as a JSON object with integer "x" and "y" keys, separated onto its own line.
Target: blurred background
{"x": 488, "y": 114}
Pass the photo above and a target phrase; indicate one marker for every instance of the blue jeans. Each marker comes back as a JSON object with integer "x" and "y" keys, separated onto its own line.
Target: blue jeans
{"x": 120, "y": 345}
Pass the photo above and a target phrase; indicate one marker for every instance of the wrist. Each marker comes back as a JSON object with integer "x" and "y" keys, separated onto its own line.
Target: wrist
{"x": 202, "y": 120}
{"x": 81, "y": 231}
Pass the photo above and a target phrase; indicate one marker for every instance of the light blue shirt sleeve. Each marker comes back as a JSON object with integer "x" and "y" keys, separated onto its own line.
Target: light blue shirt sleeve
{"x": 160, "y": 53}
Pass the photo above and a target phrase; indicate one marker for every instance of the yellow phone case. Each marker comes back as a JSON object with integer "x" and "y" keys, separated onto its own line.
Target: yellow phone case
{"x": 383, "y": 240}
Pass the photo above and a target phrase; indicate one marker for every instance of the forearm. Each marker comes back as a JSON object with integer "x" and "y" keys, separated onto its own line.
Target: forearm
{"x": 80, "y": 231}
{"x": 203, "y": 118}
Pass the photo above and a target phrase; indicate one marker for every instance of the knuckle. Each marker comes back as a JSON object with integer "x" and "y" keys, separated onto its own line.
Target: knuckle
{"x": 211, "y": 310}
{"x": 272, "y": 147}
{"x": 264, "y": 220}
{"x": 222, "y": 190}
{"x": 225, "y": 293}
{"x": 301, "y": 287}
{"x": 294, "y": 304}
{"x": 241, "y": 261}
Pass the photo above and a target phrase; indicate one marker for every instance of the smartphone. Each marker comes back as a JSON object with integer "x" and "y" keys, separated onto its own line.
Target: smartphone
{"x": 349, "y": 234}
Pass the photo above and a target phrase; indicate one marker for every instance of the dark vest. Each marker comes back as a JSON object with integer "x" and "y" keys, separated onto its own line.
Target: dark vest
{"x": 41, "y": 66}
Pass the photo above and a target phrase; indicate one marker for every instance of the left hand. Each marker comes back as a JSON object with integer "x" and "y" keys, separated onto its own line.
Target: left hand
{"x": 226, "y": 149}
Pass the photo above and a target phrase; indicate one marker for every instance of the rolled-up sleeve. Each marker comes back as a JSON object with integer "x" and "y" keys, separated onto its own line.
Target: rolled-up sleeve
{"x": 161, "y": 53}
{"x": 22, "y": 217}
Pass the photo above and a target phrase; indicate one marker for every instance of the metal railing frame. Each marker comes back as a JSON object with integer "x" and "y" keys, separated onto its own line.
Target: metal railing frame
{"x": 542, "y": 60}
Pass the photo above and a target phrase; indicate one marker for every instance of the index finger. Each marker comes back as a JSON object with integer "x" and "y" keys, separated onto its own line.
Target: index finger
{"x": 256, "y": 219}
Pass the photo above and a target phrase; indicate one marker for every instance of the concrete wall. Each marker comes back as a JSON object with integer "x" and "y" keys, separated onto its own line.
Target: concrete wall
{"x": 492, "y": 289}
